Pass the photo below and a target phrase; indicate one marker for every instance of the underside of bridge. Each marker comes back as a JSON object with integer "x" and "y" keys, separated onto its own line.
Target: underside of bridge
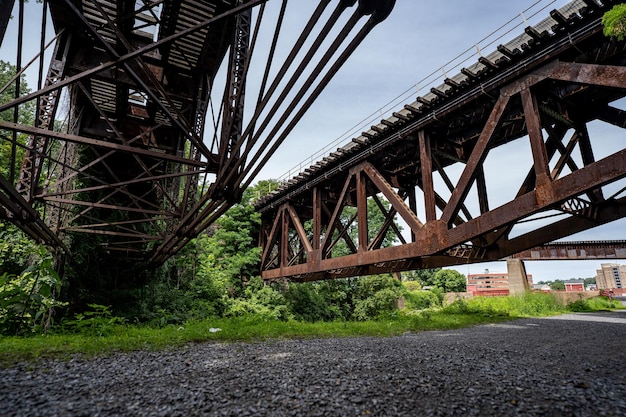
{"x": 547, "y": 103}
{"x": 140, "y": 139}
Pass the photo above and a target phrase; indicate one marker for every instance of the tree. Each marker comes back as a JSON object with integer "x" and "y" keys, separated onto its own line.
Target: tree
{"x": 426, "y": 277}
{"x": 375, "y": 221}
{"x": 232, "y": 248}
{"x": 557, "y": 285}
{"x": 589, "y": 281}
{"x": 260, "y": 190}
{"x": 17, "y": 251}
{"x": 614, "y": 22}
{"x": 375, "y": 296}
{"x": 450, "y": 280}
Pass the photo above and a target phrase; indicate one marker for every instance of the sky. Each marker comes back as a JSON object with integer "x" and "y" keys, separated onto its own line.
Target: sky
{"x": 411, "y": 51}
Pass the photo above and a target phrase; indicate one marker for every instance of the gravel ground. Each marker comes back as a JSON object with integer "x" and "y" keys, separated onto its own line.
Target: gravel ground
{"x": 565, "y": 366}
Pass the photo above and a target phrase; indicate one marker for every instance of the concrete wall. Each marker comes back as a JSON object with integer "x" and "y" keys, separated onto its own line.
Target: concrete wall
{"x": 568, "y": 297}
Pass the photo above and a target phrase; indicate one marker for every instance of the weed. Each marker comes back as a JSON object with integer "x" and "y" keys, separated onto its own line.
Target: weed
{"x": 97, "y": 322}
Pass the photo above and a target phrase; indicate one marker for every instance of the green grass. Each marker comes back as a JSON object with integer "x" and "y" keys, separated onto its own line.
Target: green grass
{"x": 527, "y": 305}
{"x": 124, "y": 338}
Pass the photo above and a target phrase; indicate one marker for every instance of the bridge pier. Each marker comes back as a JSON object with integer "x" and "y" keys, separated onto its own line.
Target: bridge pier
{"x": 518, "y": 280}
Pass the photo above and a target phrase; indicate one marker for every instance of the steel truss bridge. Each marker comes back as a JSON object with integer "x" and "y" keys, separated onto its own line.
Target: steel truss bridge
{"x": 547, "y": 103}
{"x": 140, "y": 140}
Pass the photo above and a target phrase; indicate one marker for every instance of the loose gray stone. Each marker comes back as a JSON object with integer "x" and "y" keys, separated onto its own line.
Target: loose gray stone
{"x": 564, "y": 366}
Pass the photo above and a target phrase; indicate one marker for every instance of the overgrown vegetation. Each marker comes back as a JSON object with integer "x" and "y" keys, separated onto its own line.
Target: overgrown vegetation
{"x": 29, "y": 285}
{"x": 99, "y": 332}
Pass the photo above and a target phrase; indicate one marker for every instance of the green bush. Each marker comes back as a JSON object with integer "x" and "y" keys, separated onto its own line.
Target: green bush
{"x": 527, "y": 305}
{"x": 306, "y": 304}
{"x": 375, "y": 296}
{"x": 16, "y": 250}
{"x": 27, "y": 301}
{"x": 381, "y": 303}
{"x": 419, "y": 300}
{"x": 99, "y": 321}
{"x": 259, "y": 300}
{"x": 593, "y": 304}
{"x": 412, "y": 285}
{"x": 339, "y": 295}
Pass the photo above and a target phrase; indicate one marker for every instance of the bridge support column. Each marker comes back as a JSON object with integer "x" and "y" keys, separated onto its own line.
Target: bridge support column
{"x": 518, "y": 280}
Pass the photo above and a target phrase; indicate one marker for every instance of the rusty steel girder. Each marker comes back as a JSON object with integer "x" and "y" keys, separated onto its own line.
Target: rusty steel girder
{"x": 137, "y": 169}
{"x": 428, "y": 169}
{"x": 614, "y": 249}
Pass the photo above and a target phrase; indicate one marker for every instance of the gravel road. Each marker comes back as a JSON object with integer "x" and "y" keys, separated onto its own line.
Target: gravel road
{"x": 570, "y": 365}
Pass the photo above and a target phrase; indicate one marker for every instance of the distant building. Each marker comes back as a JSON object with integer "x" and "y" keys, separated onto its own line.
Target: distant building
{"x": 542, "y": 287}
{"x": 491, "y": 284}
{"x": 610, "y": 276}
{"x": 575, "y": 286}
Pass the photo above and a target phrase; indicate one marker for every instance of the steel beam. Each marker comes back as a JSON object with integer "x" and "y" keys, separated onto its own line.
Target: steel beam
{"x": 523, "y": 102}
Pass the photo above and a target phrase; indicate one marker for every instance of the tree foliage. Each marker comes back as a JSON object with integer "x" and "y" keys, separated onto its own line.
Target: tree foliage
{"x": 614, "y": 22}
{"x": 557, "y": 285}
{"x": 449, "y": 280}
{"x": 420, "y": 300}
{"x": 17, "y": 251}
{"x": 426, "y": 277}
{"x": 375, "y": 221}
{"x": 589, "y": 281}
{"x": 307, "y": 303}
{"x": 27, "y": 300}
{"x": 259, "y": 190}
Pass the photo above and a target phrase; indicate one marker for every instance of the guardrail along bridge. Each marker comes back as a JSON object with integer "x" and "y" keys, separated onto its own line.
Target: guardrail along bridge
{"x": 546, "y": 103}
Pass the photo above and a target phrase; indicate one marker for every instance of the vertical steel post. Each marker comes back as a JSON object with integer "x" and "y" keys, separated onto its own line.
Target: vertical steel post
{"x": 427, "y": 175}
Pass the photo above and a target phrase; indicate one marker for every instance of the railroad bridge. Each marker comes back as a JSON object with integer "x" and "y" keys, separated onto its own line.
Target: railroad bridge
{"x": 154, "y": 144}
{"x": 543, "y": 101}
{"x": 163, "y": 131}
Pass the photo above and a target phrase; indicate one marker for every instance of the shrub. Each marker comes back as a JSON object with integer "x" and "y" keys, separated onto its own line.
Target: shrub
{"x": 259, "y": 300}
{"x": 419, "y": 300}
{"x": 27, "y": 301}
{"x": 381, "y": 303}
{"x": 376, "y": 296}
{"x": 592, "y": 304}
{"x": 527, "y": 305}
{"x": 412, "y": 285}
{"x": 306, "y": 304}
{"x": 99, "y": 321}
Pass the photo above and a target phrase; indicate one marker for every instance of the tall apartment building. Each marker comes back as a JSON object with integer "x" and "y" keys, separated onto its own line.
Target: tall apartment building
{"x": 610, "y": 276}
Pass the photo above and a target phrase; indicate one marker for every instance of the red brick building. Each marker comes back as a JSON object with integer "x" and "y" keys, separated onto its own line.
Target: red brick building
{"x": 575, "y": 286}
{"x": 490, "y": 284}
